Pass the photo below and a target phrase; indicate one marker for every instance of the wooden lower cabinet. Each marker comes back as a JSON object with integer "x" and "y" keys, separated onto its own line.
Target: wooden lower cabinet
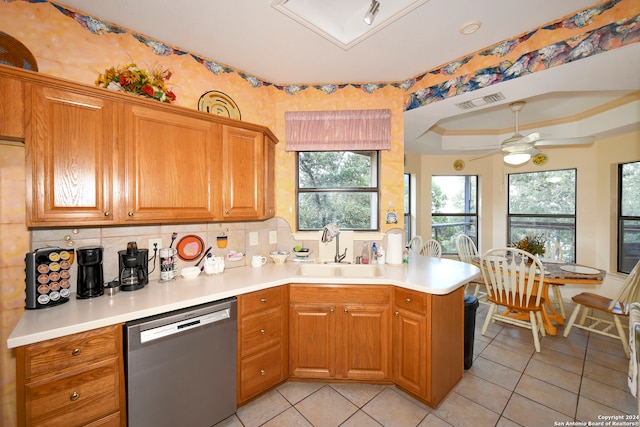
{"x": 75, "y": 380}
{"x": 339, "y": 332}
{"x": 262, "y": 341}
{"x": 428, "y": 343}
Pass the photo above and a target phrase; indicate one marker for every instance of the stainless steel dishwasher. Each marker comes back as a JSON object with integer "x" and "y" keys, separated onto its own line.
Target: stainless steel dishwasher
{"x": 181, "y": 366}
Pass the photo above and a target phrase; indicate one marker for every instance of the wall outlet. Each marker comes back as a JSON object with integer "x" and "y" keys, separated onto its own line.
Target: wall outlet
{"x": 253, "y": 238}
{"x": 273, "y": 237}
{"x": 157, "y": 241}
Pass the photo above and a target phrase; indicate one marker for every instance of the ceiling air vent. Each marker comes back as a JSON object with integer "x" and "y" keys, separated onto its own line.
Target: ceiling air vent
{"x": 478, "y": 102}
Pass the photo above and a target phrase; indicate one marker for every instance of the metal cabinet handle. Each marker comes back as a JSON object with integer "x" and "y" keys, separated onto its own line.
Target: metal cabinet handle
{"x": 107, "y": 213}
{"x": 346, "y": 310}
{"x": 75, "y": 351}
{"x": 74, "y": 396}
{"x": 227, "y": 212}
{"x": 263, "y": 300}
{"x": 262, "y": 331}
{"x": 331, "y": 311}
{"x": 130, "y": 214}
{"x": 408, "y": 300}
{"x": 262, "y": 372}
{"x": 397, "y": 313}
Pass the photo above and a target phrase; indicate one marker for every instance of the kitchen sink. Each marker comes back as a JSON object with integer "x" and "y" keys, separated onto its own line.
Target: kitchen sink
{"x": 338, "y": 270}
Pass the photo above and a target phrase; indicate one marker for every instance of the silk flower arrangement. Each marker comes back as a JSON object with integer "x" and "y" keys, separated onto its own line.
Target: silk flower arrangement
{"x": 131, "y": 78}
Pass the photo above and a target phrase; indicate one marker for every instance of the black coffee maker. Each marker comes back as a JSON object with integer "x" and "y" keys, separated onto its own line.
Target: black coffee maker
{"x": 90, "y": 282}
{"x": 134, "y": 267}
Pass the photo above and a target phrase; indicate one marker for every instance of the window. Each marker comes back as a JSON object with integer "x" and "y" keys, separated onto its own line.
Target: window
{"x": 628, "y": 216}
{"x": 339, "y": 187}
{"x": 407, "y": 207}
{"x": 544, "y": 203}
{"x": 454, "y": 209}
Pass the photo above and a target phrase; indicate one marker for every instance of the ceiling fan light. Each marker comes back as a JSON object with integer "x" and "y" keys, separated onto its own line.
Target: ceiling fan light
{"x": 516, "y": 158}
{"x": 372, "y": 12}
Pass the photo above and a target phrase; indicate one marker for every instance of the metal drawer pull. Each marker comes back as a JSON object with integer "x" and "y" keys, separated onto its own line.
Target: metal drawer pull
{"x": 262, "y": 331}
{"x": 331, "y": 311}
{"x": 262, "y": 372}
{"x": 397, "y": 313}
{"x": 346, "y": 310}
{"x": 107, "y": 213}
{"x": 75, "y": 351}
{"x": 408, "y": 300}
{"x": 74, "y": 396}
{"x": 263, "y": 300}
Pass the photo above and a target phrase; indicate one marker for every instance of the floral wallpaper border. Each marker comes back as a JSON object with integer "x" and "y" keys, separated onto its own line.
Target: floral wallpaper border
{"x": 588, "y": 43}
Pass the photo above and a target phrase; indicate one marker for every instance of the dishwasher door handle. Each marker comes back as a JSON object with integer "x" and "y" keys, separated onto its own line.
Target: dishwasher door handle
{"x": 183, "y": 325}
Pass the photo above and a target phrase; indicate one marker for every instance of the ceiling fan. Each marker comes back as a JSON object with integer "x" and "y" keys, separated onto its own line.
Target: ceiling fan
{"x": 518, "y": 149}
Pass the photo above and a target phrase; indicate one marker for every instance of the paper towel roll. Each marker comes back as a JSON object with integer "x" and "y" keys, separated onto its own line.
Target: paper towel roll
{"x": 394, "y": 248}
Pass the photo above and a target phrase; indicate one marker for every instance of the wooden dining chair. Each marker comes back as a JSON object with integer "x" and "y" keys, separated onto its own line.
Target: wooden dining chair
{"x": 431, "y": 248}
{"x": 467, "y": 250}
{"x": 514, "y": 280}
{"x": 415, "y": 244}
{"x": 614, "y": 309}
{"x": 553, "y": 251}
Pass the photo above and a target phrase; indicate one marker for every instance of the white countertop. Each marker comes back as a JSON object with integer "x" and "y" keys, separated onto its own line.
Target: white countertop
{"x": 425, "y": 274}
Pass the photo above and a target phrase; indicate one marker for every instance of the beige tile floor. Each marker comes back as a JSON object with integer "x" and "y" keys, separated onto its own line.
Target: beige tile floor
{"x": 578, "y": 378}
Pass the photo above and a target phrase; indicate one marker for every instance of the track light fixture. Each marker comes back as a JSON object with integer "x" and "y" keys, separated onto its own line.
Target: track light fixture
{"x": 372, "y": 12}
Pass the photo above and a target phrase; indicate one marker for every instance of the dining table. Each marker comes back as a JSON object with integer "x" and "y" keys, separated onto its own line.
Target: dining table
{"x": 561, "y": 273}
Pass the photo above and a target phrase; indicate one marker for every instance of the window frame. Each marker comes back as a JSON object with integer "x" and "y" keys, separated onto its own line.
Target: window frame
{"x": 510, "y": 238}
{"x": 407, "y": 206}
{"x": 476, "y": 215}
{"x": 373, "y": 190}
{"x": 620, "y": 223}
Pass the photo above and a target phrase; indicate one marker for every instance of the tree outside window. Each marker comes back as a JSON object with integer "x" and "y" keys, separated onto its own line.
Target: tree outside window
{"x": 628, "y": 216}
{"x": 544, "y": 203}
{"x": 339, "y": 187}
{"x": 454, "y": 209}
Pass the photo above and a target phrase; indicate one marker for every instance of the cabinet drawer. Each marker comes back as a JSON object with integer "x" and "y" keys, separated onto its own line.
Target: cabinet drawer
{"x": 336, "y": 294}
{"x": 410, "y": 300}
{"x": 260, "y": 300}
{"x": 259, "y": 372}
{"x": 75, "y": 399}
{"x": 112, "y": 420}
{"x": 73, "y": 351}
{"x": 260, "y": 331}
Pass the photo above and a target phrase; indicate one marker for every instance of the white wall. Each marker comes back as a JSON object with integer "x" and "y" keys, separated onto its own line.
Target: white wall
{"x": 596, "y": 198}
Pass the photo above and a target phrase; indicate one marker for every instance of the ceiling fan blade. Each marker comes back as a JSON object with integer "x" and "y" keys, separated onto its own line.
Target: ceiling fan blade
{"x": 532, "y": 137}
{"x": 482, "y": 156}
{"x": 565, "y": 141}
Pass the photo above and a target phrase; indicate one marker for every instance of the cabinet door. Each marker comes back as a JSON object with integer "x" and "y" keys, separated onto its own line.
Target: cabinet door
{"x": 11, "y": 109}
{"x": 242, "y": 176}
{"x": 365, "y": 340}
{"x": 172, "y": 168}
{"x": 312, "y": 341}
{"x": 70, "y": 157}
{"x": 409, "y": 351}
{"x": 269, "y": 178}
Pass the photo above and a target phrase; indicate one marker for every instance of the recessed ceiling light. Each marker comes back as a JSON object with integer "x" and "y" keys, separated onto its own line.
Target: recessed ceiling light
{"x": 470, "y": 28}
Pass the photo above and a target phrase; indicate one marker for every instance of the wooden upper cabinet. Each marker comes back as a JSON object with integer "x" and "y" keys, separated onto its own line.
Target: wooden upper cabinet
{"x": 269, "y": 177}
{"x": 243, "y": 173}
{"x": 11, "y": 109}
{"x": 70, "y": 150}
{"x": 172, "y": 166}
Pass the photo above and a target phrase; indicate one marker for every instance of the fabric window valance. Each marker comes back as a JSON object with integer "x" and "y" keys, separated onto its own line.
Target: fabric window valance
{"x": 338, "y": 130}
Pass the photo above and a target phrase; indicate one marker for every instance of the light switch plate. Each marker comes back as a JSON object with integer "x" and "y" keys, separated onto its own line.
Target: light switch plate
{"x": 253, "y": 238}
{"x": 273, "y": 237}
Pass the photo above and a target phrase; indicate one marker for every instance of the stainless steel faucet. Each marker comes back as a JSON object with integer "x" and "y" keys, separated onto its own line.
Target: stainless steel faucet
{"x": 328, "y": 233}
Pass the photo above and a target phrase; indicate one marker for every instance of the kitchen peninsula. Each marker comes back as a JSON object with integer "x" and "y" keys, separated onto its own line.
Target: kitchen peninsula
{"x": 415, "y": 311}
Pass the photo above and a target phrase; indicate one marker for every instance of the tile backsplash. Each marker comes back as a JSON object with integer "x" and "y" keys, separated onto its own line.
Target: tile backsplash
{"x": 114, "y": 239}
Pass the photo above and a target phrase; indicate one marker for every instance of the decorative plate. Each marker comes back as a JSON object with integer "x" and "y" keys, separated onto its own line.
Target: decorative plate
{"x": 540, "y": 159}
{"x": 16, "y": 54}
{"x": 190, "y": 247}
{"x": 458, "y": 165}
{"x": 219, "y": 103}
{"x": 579, "y": 269}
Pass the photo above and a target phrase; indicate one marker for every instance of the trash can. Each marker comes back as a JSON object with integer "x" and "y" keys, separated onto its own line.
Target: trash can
{"x": 470, "y": 306}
